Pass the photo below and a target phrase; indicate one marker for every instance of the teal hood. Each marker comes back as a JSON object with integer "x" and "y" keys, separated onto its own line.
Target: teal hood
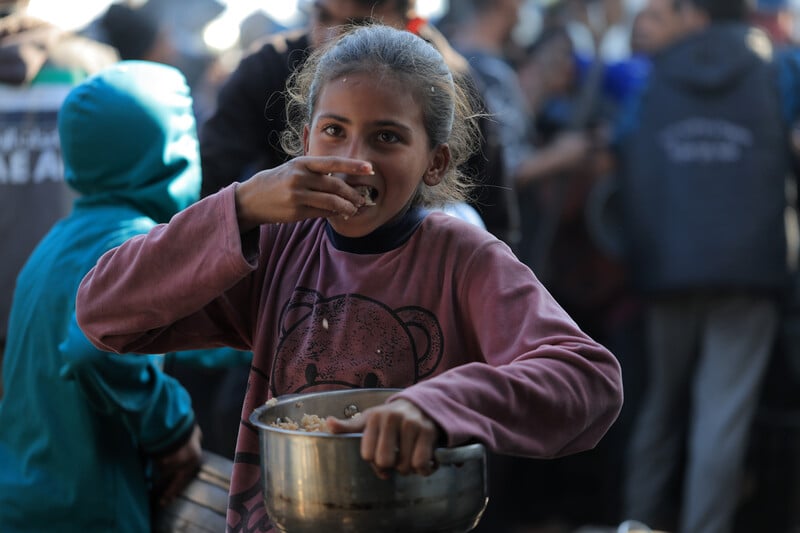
{"x": 110, "y": 157}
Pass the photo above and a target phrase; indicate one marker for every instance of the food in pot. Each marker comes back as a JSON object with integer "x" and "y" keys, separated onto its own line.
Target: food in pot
{"x": 310, "y": 423}
{"x": 306, "y": 423}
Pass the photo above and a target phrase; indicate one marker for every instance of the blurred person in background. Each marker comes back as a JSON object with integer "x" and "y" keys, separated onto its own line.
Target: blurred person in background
{"x": 149, "y": 31}
{"x": 39, "y": 64}
{"x": 96, "y": 441}
{"x": 205, "y": 68}
{"x": 568, "y": 92}
{"x": 703, "y": 174}
{"x": 481, "y": 30}
{"x": 137, "y": 34}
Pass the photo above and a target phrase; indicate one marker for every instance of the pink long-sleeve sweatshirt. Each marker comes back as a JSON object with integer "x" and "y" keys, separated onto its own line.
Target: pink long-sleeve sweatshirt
{"x": 432, "y": 305}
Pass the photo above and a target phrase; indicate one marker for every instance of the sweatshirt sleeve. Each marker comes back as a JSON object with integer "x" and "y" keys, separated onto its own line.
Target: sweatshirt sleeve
{"x": 154, "y": 407}
{"x": 185, "y": 285}
{"x": 545, "y": 389}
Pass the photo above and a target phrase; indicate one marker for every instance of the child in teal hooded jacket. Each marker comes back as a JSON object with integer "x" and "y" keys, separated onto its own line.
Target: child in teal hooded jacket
{"x": 84, "y": 432}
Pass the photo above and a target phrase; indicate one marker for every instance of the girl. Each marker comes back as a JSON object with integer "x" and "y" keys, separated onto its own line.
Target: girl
{"x": 333, "y": 270}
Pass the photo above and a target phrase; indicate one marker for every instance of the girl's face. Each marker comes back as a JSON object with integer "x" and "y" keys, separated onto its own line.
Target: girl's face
{"x": 375, "y": 118}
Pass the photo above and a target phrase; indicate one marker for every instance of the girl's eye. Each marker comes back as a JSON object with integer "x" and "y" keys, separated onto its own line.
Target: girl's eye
{"x": 388, "y": 137}
{"x": 332, "y": 130}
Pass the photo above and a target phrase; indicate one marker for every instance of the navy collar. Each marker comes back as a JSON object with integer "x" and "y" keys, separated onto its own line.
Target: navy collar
{"x": 387, "y": 237}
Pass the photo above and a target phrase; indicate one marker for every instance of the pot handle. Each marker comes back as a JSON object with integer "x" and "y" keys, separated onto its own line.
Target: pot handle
{"x": 459, "y": 454}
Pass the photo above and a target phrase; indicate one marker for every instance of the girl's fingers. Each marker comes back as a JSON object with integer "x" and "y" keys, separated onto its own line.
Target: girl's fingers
{"x": 336, "y": 165}
{"x": 339, "y": 202}
{"x": 422, "y": 459}
{"x": 349, "y": 425}
{"x": 331, "y": 172}
{"x": 300, "y": 189}
{"x": 387, "y": 450}
{"x": 369, "y": 440}
{"x": 407, "y": 450}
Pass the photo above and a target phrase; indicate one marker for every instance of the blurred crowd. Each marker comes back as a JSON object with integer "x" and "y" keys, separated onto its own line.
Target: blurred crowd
{"x": 559, "y": 80}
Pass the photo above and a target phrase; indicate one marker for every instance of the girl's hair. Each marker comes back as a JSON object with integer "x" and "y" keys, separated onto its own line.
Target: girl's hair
{"x": 380, "y": 50}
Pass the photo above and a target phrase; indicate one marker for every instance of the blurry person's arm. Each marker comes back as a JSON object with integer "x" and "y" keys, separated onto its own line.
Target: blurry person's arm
{"x": 567, "y": 152}
{"x": 175, "y": 469}
{"x": 154, "y": 407}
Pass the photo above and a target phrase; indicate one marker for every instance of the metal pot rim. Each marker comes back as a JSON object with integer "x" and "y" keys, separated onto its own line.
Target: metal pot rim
{"x": 443, "y": 455}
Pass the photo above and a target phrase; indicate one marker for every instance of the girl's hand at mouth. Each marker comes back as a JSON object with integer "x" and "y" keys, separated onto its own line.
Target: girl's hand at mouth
{"x": 302, "y": 188}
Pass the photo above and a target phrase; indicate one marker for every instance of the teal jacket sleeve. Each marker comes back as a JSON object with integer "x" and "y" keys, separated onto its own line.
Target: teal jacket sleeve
{"x": 213, "y": 358}
{"x": 155, "y": 407}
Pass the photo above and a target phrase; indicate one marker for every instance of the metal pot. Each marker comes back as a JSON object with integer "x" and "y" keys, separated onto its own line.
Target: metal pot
{"x": 318, "y": 481}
